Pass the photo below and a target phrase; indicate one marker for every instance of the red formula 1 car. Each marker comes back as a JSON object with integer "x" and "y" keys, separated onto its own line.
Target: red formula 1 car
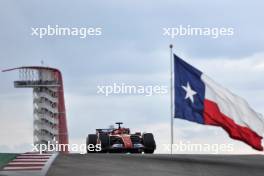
{"x": 120, "y": 140}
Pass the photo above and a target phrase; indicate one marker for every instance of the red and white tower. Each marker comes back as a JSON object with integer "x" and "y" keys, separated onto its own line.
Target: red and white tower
{"x": 49, "y": 119}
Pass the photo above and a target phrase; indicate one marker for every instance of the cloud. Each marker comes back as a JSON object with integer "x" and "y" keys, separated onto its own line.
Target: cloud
{"x": 16, "y": 123}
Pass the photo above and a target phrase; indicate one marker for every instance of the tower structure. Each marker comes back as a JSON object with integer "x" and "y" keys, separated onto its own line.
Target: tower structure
{"x": 49, "y": 115}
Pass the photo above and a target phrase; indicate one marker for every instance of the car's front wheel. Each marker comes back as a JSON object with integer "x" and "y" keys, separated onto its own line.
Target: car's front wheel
{"x": 149, "y": 143}
{"x": 105, "y": 142}
{"x": 91, "y": 140}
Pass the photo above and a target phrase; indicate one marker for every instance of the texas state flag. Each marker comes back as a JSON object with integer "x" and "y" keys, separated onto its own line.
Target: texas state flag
{"x": 199, "y": 99}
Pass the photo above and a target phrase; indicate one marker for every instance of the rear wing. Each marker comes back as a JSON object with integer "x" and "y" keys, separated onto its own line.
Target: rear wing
{"x": 107, "y": 131}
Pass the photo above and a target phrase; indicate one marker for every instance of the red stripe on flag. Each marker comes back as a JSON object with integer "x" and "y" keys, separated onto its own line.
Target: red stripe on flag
{"x": 213, "y": 116}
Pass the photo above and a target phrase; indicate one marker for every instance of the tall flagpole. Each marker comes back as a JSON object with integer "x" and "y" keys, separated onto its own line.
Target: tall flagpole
{"x": 171, "y": 96}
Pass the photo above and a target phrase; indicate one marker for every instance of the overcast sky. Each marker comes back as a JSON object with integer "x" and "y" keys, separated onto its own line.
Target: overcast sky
{"x": 130, "y": 50}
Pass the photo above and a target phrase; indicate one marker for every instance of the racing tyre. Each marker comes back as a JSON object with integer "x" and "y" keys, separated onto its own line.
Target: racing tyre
{"x": 149, "y": 143}
{"x": 91, "y": 139}
{"x": 105, "y": 142}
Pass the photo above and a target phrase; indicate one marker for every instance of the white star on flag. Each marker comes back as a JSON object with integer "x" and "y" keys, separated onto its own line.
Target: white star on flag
{"x": 189, "y": 92}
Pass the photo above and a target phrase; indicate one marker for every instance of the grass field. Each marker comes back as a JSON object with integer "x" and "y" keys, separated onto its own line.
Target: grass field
{"x": 5, "y": 158}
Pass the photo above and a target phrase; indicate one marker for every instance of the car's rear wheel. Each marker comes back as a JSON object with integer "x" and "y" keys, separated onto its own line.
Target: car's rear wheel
{"x": 149, "y": 143}
{"x": 91, "y": 140}
{"x": 105, "y": 142}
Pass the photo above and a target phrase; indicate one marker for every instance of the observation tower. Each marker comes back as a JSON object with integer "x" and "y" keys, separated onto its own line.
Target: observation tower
{"x": 49, "y": 115}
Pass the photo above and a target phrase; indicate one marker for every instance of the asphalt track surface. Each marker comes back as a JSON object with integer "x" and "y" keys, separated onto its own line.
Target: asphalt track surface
{"x": 157, "y": 165}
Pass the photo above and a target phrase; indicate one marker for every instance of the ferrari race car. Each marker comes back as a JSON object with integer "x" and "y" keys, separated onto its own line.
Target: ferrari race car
{"x": 120, "y": 140}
